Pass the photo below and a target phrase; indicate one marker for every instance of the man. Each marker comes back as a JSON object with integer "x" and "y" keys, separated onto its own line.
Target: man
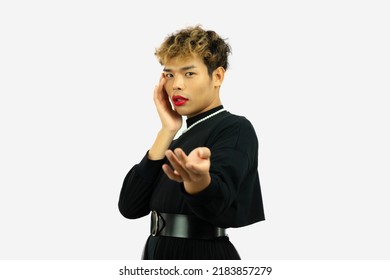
{"x": 206, "y": 180}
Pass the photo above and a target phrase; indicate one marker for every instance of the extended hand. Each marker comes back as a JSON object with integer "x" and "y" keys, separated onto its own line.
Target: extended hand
{"x": 193, "y": 170}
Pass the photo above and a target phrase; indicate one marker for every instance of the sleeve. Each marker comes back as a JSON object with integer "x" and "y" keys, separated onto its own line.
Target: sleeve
{"x": 233, "y": 172}
{"x": 137, "y": 188}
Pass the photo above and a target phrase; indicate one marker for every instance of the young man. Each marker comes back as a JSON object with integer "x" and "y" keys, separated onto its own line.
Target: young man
{"x": 207, "y": 179}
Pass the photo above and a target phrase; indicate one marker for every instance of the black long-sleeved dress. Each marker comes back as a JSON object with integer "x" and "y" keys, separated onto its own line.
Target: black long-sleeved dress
{"x": 233, "y": 198}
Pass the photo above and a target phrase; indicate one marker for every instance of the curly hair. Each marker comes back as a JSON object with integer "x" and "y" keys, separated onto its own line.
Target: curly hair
{"x": 195, "y": 41}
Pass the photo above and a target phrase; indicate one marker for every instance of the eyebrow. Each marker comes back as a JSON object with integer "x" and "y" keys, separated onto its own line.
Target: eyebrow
{"x": 180, "y": 69}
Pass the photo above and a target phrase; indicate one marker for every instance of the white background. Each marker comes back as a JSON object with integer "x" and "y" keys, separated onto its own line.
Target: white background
{"x": 76, "y": 113}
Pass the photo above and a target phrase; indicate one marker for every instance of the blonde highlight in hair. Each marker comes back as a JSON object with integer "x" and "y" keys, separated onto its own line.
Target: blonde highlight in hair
{"x": 195, "y": 41}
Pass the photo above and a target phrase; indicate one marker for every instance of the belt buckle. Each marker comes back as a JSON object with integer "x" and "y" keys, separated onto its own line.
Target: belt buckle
{"x": 155, "y": 223}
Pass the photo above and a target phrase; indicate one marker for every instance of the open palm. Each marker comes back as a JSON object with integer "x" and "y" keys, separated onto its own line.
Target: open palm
{"x": 192, "y": 170}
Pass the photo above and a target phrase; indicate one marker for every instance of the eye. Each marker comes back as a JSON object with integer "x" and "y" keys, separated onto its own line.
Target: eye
{"x": 189, "y": 74}
{"x": 168, "y": 75}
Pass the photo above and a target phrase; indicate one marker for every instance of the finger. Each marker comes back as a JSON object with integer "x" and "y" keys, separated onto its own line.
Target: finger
{"x": 181, "y": 155}
{"x": 171, "y": 174}
{"x": 157, "y": 93}
{"x": 161, "y": 97}
{"x": 175, "y": 161}
{"x": 204, "y": 152}
{"x": 185, "y": 162}
{"x": 197, "y": 169}
{"x": 193, "y": 169}
{"x": 162, "y": 80}
{"x": 177, "y": 155}
{"x": 177, "y": 165}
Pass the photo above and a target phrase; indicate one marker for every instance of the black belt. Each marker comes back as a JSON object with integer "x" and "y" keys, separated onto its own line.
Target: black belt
{"x": 183, "y": 226}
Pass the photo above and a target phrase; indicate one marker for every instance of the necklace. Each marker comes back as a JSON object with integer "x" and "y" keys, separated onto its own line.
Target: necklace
{"x": 203, "y": 119}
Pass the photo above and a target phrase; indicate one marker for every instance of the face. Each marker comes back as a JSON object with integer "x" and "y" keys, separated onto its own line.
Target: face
{"x": 190, "y": 88}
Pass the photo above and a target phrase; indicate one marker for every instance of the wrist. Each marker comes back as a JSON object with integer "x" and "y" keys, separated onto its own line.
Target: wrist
{"x": 194, "y": 188}
{"x": 168, "y": 132}
{"x": 161, "y": 144}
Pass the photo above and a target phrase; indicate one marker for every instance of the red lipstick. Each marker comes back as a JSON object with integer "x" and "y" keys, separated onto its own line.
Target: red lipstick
{"x": 179, "y": 100}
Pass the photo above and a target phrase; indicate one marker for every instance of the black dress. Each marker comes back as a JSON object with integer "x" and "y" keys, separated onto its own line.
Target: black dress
{"x": 233, "y": 198}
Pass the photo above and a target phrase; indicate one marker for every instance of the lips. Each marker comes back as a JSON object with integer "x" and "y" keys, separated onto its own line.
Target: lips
{"x": 179, "y": 100}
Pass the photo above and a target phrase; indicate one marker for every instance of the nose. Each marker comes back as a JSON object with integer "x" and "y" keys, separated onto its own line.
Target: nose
{"x": 178, "y": 83}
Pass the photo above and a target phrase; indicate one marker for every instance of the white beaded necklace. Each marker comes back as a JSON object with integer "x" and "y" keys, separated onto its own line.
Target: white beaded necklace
{"x": 203, "y": 119}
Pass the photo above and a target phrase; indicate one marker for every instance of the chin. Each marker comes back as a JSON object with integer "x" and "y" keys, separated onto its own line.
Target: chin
{"x": 184, "y": 112}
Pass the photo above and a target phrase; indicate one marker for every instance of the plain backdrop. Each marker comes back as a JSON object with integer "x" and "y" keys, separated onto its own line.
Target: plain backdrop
{"x": 76, "y": 113}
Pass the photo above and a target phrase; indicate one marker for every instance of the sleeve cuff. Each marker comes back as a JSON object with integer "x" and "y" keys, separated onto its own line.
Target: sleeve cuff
{"x": 148, "y": 168}
{"x": 202, "y": 197}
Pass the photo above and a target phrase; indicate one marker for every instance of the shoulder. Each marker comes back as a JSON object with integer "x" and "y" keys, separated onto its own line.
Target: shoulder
{"x": 237, "y": 128}
{"x": 237, "y": 122}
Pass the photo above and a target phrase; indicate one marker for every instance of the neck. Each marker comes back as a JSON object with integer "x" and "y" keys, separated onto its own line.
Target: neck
{"x": 215, "y": 104}
{"x": 195, "y": 118}
{"x": 203, "y": 117}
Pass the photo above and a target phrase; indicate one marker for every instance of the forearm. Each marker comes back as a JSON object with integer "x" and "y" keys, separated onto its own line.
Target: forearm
{"x": 137, "y": 188}
{"x": 161, "y": 144}
{"x": 135, "y": 195}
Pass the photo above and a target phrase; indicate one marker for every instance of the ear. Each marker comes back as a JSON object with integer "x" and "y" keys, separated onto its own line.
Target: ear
{"x": 218, "y": 76}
